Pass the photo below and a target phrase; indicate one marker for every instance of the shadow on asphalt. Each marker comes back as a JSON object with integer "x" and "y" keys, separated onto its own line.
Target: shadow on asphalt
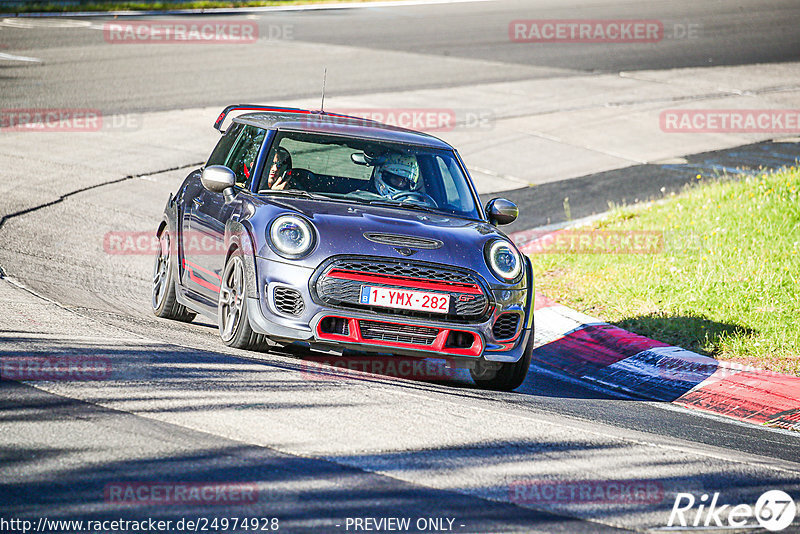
{"x": 75, "y": 480}
{"x": 73, "y": 476}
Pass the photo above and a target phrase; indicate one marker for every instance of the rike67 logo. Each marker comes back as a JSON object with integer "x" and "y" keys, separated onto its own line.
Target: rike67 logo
{"x": 774, "y": 510}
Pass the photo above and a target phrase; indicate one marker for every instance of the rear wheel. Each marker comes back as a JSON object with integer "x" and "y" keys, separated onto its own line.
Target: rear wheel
{"x": 503, "y": 376}
{"x": 163, "y": 301}
{"x": 234, "y": 325}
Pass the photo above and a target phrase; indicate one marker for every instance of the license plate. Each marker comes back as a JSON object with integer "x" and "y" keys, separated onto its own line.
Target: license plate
{"x": 405, "y": 299}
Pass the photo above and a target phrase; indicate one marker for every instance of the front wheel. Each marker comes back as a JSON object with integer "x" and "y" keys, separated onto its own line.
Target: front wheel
{"x": 234, "y": 325}
{"x": 507, "y": 376}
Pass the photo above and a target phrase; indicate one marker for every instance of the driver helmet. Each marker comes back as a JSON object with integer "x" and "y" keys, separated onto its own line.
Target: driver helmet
{"x": 399, "y": 173}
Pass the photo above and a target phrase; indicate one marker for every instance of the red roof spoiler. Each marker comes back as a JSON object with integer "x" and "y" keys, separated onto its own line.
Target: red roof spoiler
{"x": 254, "y": 107}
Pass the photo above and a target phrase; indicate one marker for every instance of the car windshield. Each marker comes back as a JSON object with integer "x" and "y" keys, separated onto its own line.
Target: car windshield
{"x": 368, "y": 171}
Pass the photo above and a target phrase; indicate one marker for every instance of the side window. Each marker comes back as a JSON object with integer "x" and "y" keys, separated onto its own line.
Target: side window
{"x": 242, "y": 157}
{"x": 456, "y": 191}
{"x": 223, "y": 148}
{"x": 449, "y": 186}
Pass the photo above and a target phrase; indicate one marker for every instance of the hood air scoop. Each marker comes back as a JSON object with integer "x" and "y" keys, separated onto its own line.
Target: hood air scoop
{"x": 397, "y": 240}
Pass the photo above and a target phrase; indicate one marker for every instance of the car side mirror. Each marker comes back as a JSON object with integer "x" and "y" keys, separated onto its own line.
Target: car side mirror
{"x": 501, "y": 211}
{"x": 218, "y": 179}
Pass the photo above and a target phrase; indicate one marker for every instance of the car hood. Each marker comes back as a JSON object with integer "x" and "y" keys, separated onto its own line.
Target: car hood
{"x": 341, "y": 227}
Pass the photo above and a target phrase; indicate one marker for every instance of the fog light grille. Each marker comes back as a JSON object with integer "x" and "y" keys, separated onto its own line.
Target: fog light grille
{"x": 505, "y": 326}
{"x": 289, "y": 301}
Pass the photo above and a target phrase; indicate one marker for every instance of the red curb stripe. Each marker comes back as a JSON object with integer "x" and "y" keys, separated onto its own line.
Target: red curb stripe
{"x": 591, "y": 348}
{"x": 534, "y": 246}
{"x": 530, "y": 242}
{"x": 752, "y": 395}
{"x": 542, "y": 301}
{"x": 526, "y": 236}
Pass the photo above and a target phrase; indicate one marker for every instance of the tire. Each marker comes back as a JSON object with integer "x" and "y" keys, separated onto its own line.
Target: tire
{"x": 508, "y": 376}
{"x": 234, "y": 325}
{"x": 163, "y": 300}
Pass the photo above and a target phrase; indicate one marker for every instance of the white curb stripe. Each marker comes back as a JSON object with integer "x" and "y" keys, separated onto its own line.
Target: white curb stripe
{"x": 10, "y": 57}
{"x": 243, "y": 10}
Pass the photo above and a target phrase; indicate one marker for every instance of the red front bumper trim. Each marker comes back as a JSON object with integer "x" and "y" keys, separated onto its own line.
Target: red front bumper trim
{"x": 438, "y": 345}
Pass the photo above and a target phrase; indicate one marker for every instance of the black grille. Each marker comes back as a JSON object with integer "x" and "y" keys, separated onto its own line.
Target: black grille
{"x": 397, "y": 240}
{"x": 347, "y": 293}
{"x": 400, "y": 333}
{"x": 505, "y": 326}
{"x": 288, "y": 301}
{"x": 409, "y": 270}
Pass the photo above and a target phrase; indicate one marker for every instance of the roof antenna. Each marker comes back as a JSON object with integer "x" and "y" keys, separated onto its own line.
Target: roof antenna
{"x": 324, "y": 76}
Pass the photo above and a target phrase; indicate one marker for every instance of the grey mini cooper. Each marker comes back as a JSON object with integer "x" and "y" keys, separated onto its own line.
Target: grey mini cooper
{"x": 334, "y": 232}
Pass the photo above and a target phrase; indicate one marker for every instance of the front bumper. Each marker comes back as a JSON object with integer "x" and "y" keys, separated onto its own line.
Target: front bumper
{"x": 366, "y": 331}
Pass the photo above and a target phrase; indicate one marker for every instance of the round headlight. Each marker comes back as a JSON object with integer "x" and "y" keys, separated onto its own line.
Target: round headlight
{"x": 503, "y": 260}
{"x": 291, "y": 236}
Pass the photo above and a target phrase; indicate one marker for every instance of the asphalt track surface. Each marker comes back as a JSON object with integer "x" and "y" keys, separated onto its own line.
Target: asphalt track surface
{"x": 379, "y": 50}
{"x": 370, "y": 446}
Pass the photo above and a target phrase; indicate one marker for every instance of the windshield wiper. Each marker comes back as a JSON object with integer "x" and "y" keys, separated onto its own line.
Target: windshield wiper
{"x": 293, "y": 193}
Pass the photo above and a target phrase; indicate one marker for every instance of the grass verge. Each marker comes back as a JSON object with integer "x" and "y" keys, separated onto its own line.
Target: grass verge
{"x": 724, "y": 284}
{"x": 66, "y": 6}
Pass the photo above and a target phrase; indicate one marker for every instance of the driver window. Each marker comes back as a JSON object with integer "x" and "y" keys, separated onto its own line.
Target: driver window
{"x": 242, "y": 157}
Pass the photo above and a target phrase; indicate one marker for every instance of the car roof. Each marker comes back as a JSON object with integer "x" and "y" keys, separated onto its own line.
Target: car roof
{"x": 334, "y": 124}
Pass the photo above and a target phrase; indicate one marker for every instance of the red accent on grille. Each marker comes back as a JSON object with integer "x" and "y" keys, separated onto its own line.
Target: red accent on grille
{"x": 403, "y": 281}
{"x": 437, "y": 346}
